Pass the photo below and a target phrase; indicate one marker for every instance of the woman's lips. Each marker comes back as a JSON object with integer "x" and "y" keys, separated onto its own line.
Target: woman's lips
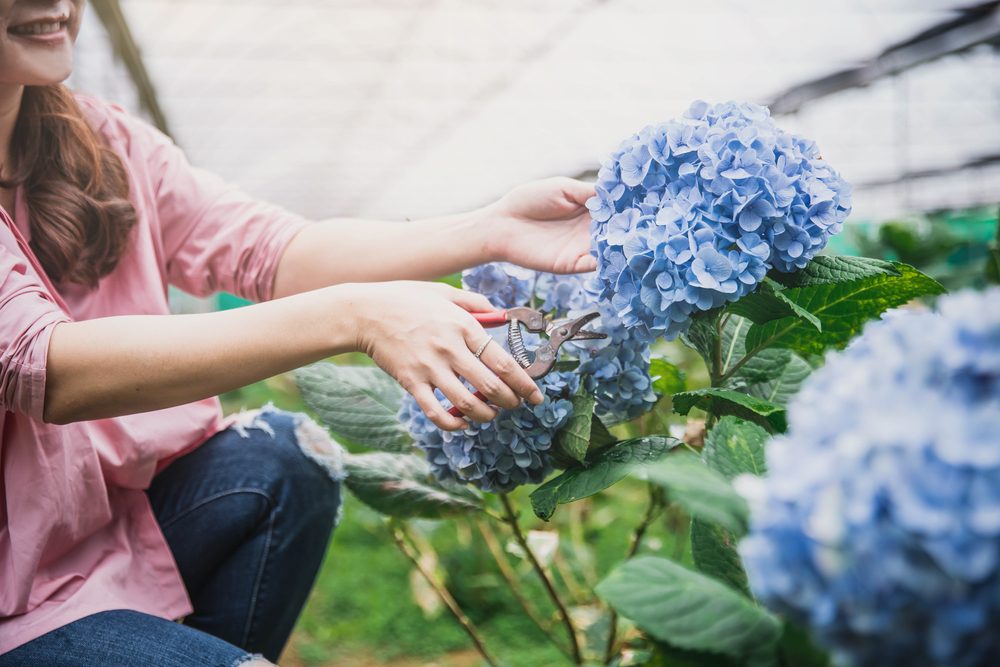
{"x": 44, "y": 30}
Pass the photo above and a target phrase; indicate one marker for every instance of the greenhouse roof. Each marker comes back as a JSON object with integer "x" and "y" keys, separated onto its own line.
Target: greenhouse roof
{"x": 403, "y": 109}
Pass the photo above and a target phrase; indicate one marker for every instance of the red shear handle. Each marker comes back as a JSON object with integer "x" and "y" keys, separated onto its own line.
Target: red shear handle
{"x": 492, "y": 318}
{"x": 455, "y": 412}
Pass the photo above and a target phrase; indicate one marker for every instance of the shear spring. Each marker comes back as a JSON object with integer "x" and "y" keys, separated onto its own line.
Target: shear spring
{"x": 516, "y": 344}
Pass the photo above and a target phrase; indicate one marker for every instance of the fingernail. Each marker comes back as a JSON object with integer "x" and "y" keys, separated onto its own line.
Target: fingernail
{"x": 536, "y": 397}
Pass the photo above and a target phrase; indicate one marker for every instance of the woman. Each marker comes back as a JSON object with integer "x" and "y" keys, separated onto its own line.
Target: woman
{"x": 127, "y": 501}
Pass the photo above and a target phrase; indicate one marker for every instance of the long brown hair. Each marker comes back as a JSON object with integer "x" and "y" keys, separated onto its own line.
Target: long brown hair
{"x": 75, "y": 186}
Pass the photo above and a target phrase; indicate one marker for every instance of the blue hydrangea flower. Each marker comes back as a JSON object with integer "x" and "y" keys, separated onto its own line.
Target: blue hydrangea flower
{"x": 562, "y": 293}
{"x": 692, "y": 213}
{"x": 497, "y": 456}
{"x": 614, "y": 370}
{"x": 878, "y": 523}
{"x": 515, "y": 448}
{"x": 505, "y": 285}
{"x": 617, "y": 372}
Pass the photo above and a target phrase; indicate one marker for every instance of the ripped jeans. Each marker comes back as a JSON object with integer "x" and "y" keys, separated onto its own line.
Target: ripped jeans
{"x": 247, "y": 516}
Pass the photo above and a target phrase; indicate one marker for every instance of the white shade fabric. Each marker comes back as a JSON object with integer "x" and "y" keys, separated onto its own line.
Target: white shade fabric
{"x": 393, "y": 108}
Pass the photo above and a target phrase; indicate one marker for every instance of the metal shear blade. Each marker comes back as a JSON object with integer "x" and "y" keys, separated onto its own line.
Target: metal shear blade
{"x": 559, "y": 332}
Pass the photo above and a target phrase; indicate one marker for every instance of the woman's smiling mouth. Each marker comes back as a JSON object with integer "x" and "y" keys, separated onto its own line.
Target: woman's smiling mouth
{"x": 46, "y": 29}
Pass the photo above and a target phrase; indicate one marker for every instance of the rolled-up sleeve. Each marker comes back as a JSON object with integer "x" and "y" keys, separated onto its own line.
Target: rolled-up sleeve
{"x": 215, "y": 236}
{"x": 27, "y": 317}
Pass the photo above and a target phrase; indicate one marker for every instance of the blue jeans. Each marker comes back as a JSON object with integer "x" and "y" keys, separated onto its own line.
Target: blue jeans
{"x": 248, "y": 517}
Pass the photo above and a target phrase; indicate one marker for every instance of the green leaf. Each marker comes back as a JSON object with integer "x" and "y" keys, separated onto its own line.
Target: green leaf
{"x": 769, "y": 302}
{"x": 734, "y": 331}
{"x": 713, "y": 549}
{"x": 798, "y": 649}
{"x": 668, "y": 379}
{"x": 687, "y": 609}
{"x": 401, "y": 485}
{"x": 454, "y": 279}
{"x": 566, "y": 365}
{"x": 830, "y": 269}
{"x": 357, "y": 403}
{"x": 600, "y": 437}
{"x": 573, "y": 440}
{"x": 729, "y": 402}
{"x": 701, "y": 335}
{"x": 735, "y": 447}
{"x": 610, "y": 467}
{"x": 842, "y": 307}
{"x": 703, "y": 492}
{"x": 773, "y": 374}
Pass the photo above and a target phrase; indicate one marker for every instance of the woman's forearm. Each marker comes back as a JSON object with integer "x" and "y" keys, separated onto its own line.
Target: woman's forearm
{"x": 351, "y": 250}
{"x": 122, "y": 365}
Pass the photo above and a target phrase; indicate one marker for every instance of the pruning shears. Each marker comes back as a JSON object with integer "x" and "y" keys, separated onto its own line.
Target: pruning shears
{"x": 540, "y": 361}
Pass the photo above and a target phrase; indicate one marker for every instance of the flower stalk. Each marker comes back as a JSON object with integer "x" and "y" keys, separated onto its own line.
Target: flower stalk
{"x": 652, "y": 508}
{"x": 511, "y": 517}
{"x": 401, "y": 537}
{"x": 514, "y": 582}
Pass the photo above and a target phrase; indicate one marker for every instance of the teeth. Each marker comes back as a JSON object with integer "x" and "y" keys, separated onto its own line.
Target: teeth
{"x": 38, "y": 28}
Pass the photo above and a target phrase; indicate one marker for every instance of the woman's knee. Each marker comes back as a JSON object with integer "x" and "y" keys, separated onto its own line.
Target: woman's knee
{"x": 299, "y": 455}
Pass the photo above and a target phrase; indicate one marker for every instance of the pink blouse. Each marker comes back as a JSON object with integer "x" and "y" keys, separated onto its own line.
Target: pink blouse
{"x": 77, "y": 535}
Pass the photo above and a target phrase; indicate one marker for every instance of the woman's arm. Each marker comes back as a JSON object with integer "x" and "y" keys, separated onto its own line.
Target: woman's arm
{"x": 542, "y": 225}
{"x": 420, "y": 333}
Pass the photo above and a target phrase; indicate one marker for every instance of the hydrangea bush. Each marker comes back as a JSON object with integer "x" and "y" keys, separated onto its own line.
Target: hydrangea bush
{"x": 878, "y": 523}
{"x": 691, "y": 214}
{"x": 516, "y": 448}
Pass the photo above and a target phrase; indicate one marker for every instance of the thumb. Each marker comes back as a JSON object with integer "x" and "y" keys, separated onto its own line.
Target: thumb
{"x": 585, "y": 264}
{"x": 578, "y": 192}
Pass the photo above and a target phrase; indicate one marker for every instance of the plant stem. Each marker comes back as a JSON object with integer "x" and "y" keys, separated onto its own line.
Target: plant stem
{"x": 400, "y": 537}
{"x": 578, "y": 593}
{"x": 493, "y": 544}
{"x": 633, "y": 549}
{"x": 715, "y": 369}
{"x": 577, "y": 517}
{"x": 515, "y": 527}
{"x": 739, "y": 364}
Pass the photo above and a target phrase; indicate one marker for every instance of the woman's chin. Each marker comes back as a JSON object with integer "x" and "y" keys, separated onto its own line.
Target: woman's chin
{"x": 48, "y": 75}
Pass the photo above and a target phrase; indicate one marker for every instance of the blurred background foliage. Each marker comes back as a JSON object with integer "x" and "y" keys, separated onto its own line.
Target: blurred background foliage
{"x": 954, "y": 247}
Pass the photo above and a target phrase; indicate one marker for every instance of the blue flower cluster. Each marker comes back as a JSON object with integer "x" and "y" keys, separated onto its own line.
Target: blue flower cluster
{"x": 497, "y": 456}
{"x": 503, "y": 284}
{"x": 514, "y": 449}
{"x": 692, "y": 213}
{"x": 878, "y": 523}
{"x": 615, "y": 370}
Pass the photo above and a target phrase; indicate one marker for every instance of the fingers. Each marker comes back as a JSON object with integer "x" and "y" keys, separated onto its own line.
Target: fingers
{"x": 510, "y": 372}
{"x": 462, "y": 398}
{"x": 470, "y": 301}
{"x": 428, "y": 402}
{"x": 578, "y": 192}
{"x": 484, "y": 380}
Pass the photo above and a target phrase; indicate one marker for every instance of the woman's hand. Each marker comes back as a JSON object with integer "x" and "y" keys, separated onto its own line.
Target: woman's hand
{"x": 544, "y": 225}
{"x": 423, "y": 335}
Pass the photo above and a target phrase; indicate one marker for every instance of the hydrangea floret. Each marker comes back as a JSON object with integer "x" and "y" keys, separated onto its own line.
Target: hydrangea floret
{"x": 516, "y": 448}
{"x": 691, "y": 214}
{"x": 878, "y": 522}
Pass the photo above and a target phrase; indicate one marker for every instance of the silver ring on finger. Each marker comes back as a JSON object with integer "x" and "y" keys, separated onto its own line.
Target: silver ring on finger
{"x": 482, "y": 348}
